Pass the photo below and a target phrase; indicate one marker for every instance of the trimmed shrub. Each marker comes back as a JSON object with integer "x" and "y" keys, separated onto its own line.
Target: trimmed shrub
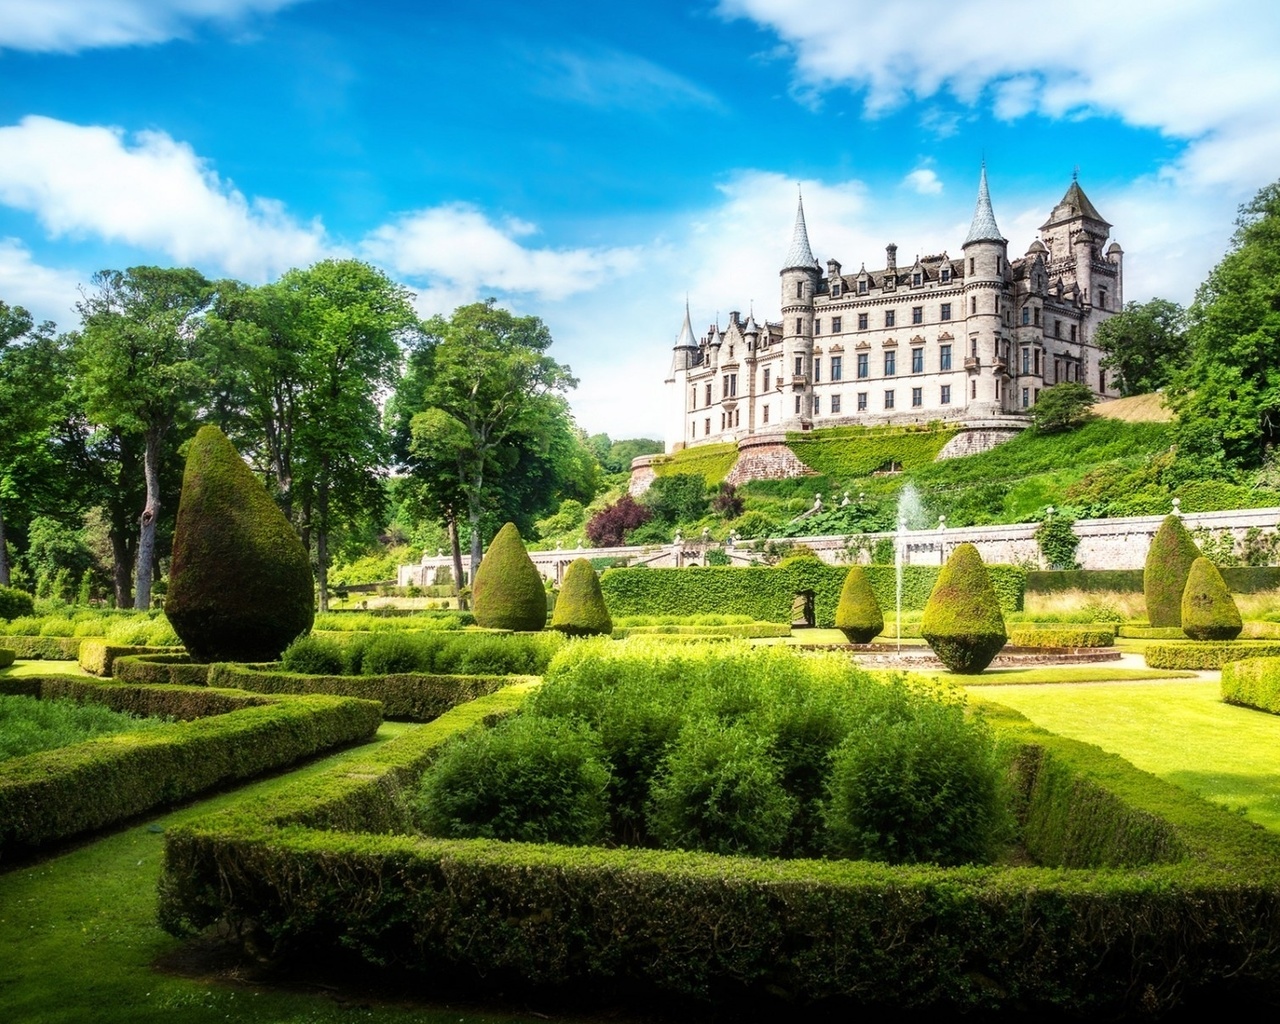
{"x": 1208, "y": 611}
{"x": 1115, "y": 581}
{"x": 720, "y": 790}
{"x": 162, "y": 669}
{"x": 1253, "y": 683}
{"x": 858, "y": 614}
{"x": 7, "y": 657}
{"x": 1206, "y": 655}
{"x": 962, "y": 620}
{"x": 1061, "y": 636}
{"x": 314, "y": 655}
{"x": 1133, "y": 632}
{"x": 1165, "y": 576}
{"x": 240, "y": 586}
{"x": 44, "y": 648}
{"x": 508, "y": 592}
{"x": 921, "y": 785}
{"x": 97, "y": 657}
{"x": 535, "y": 780}
{"x": 15, "y": 603}
{"x": 580, "y": 609}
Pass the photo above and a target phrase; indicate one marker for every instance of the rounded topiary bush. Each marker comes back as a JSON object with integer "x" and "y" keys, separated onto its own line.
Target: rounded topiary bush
{"x": 529, "y": 779}
{"x": 1164, "y": 577}
{"x": 15, "y": 603}
{"x": 7, "y": 657}
{"x": 392, "y": 653}
{"x": 924, "y": 785}
{"x": 508, "y": 591}
{"x": 962, "y": 620}
{"x": 314, "y": 656}
{"x": 1209, "y": 611}
{"x": 240, "y": 586}
{"x": 858, "y": 614}
{"x": 580, "y": 609}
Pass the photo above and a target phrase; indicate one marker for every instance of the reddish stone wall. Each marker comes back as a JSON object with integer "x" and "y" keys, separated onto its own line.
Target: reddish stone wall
{"x": 766, "y": 457}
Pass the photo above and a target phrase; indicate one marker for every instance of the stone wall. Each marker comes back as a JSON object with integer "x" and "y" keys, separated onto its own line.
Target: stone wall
{"x": 764, "y": 457}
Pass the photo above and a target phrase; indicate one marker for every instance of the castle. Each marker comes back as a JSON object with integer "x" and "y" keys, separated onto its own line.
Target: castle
{"x": 967, "y": 339}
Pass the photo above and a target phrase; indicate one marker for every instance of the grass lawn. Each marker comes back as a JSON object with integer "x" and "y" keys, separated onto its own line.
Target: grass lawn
{"x": 1180, "y": 731}
{"x": 43, "y": 668}
{"x": 78, "y": 938}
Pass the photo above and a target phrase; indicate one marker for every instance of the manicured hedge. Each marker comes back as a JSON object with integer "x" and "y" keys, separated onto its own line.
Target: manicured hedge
{"x": 749, "y": 631}
{"x": 7, "y": 657}
{"x": 1253, "y": 683}
{"x": 1132, "y": 632}
{"x": 1053, "y": 581}
{"x": 1251, "y": 579}
{"x": 54, "y": 794}
{"x": 45, "y": 648}
{"x": 153, "y": 669}
{"x": 412, "y": 696}
{"x": 1208, "y": 654}
{"x": 1061, "y": 636}
{"x": 97, "y": 656}
{"x": 766, "y": 594}
{"x": 1083, "y": 934}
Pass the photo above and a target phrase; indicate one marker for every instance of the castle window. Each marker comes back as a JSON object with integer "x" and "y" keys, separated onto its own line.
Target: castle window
{"x": 946, "y": 311}
{"x": 706, "y": 426}
{"x": 1102, "y": 298}
{"x": 917, "y": 397}
{"x": 890, "y": 363}
{"x": 1057, "y": 328}
{"x": 765, "y": 415}
{"x": 971, "y": 266}
{"x": 733, "y": 384}
{"x": 944, "y": 357}
{"x": 766, "y": 379}
{"x": 917, "y": 360}
{"x": 835, "y": 289}
{"x": 916, "y": 279}
{"x": 799, "y": 326}
{"x": 693, "y": 404}
{"x": 1057, "y": 370}
{"x": 722, "y": 421}
{"x": 1037, "y": 362}
{"x": 708, "y": 401}
{"x": 1035, "y": 316}
{"x": 835, "y": 325}
{"x": 737, "y": 417}
{"x": 862, "y": 401}
{"x": 973, "y": 305}
{"x": 1073, "y": 332}
{"x": 862, "y": 287}
{"x": 1026, "y": 398}
{"x": 837, "y": 367}
{"x": 1026, "y": 315}
{"x": 888, "y": 399}
{"x": 817, "y": 327}
{"x": 693, "y": 428}
{"x": 730, "y": 351}
{"x": 799, "y": 366}
{"x": 945, "y": 276}
{"x": 862, "y": 321}
{"x": 863, "y": 371}
{"x": 889, "y": 318}
{"x": 817, "y": 403}
{"x": 973, "y": 389}
{"x": 817, "y": 370}
{"x": 1102, "y": 381}
{"x": 917, "y": 314}
{"x": 835, "y": 404}
{"x": 799, "y": 289}
{"x": 944, "y": 397}
{"x": 1026, "y": 360}
{"x": 797, "y": 405}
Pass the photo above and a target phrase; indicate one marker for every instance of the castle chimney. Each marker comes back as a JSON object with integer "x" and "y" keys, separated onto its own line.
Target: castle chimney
{"x": 891, "y": 256}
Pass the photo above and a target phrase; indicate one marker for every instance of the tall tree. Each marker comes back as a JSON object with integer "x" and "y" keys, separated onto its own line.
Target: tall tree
{"x": 1145, "y": 345}
{"x": 1228, "y": 399}
{"x": 142, "y": 369}
{"x": 491, "y": 377}
{"x": 17, "y": 422}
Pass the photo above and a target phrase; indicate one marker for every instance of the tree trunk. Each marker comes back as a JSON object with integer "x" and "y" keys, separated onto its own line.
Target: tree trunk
{"x": 456, "y": 547}
{"x": 4, "y": 555}
{"x": 322, "y": 537}
{"x": 150, "y": 516}
{"x": 122, "y": 560}
{"x": 476, "y": 546}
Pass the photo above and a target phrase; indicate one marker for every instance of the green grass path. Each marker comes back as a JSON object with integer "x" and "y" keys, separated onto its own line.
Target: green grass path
{"x": 78, "y": 937}
{"x": 1180, "y": 731}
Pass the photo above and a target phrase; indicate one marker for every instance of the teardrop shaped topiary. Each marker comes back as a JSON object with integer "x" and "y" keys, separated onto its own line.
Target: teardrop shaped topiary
{"x": 858, "y": 614}
{"x": 1209, "y": 611}
{"x": 962, "y": 620}
{"x": 508, "y": 592}
{"x": 580, "y": 609}
{"x": 240, "y": 586}
{"x": 1164, "y": 577}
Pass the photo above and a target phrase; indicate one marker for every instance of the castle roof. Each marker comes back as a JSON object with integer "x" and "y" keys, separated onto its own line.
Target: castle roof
{"x": 1073, "y": 206}
{"x": 800, "y": 256}
{"x": 983, "y": 228}
{"x": 686, "y": 339}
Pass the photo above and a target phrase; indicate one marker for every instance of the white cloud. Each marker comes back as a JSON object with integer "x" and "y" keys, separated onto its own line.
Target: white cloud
{"x": 463, "y": 256}
{"x": 924, "y": 181}
{"x": 68, "y": 26}
{"x": 46, "y": 293}
{"x": 1192, "y": 69}
{"x": 612, "y": 79}
{"x": 151, "y": 192}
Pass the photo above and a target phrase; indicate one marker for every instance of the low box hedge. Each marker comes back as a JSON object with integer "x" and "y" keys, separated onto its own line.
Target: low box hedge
{"x": 7, "y": 657}
{"x": 1146, "y": 895}
{"x": 1112, "y": 581}
{"x": 152, "y": 669}
{"x": 1061, "y": 636}
{"x": 97, "y": 656}
{"x": 45, "y": 648}
{"x": 749, "y": 631}
{"x": 54, "y": 794}
{"x": 413, "y": 696}
{"x": 1135, "y": 632}
{"x": 1208, "y": 654}
{"x": 1253, "y": 683}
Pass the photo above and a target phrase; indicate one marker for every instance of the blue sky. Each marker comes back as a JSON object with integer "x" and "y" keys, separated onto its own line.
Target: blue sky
{"x": 594, "y": 163}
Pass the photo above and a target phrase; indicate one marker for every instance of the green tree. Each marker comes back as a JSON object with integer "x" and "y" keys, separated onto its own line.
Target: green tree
{"x": 142, "y": 370}
{"x": 495, "y": 409}
{"x": 1228, "y": 398}
{"x": 15, "y": 406}
{"x": 1145, "y": 345}
{"x": 1062, "y": 407}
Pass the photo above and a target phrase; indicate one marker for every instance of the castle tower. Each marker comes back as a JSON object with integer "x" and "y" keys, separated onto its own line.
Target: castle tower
{"x": 985, "y": 270}
{"x": 684, "y": 357}
{"x": 800, "y": 277}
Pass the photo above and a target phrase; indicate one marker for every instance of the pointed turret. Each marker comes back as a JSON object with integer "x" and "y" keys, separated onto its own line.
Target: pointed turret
{"x": 983, "y": 228}
{"x": 685, "y": 353}
{"x": 800, "y": 256}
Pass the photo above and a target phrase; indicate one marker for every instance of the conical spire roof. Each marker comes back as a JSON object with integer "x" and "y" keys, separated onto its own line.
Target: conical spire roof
{"x": 800, "y": 256}
{"x": 686, "y": 339}
{"x": 983, "y": 228}
{"x": 1074, "y": 204}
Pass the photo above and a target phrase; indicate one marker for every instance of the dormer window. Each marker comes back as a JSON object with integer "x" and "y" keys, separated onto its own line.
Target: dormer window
{"x": 862, "y": 287}
{"x": 835, "y": 289}
{"x": 945, "y": 276}
{"x": 916, "y": 279}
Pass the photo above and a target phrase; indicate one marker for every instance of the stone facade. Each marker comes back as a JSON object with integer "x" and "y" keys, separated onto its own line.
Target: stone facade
{"x": 963, "y": 338}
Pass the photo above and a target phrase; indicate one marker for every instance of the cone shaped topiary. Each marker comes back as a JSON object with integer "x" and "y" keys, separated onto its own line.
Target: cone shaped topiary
{"x": 1164, "y": 577}
{"x": 1209, "y": 611}
{"x": 580, "y": 609}
{"x": 240, "y": 586}
{"x": 858, "y": 614}
{"x": 962, "y": 621}
{"x": 508, "y": 591}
